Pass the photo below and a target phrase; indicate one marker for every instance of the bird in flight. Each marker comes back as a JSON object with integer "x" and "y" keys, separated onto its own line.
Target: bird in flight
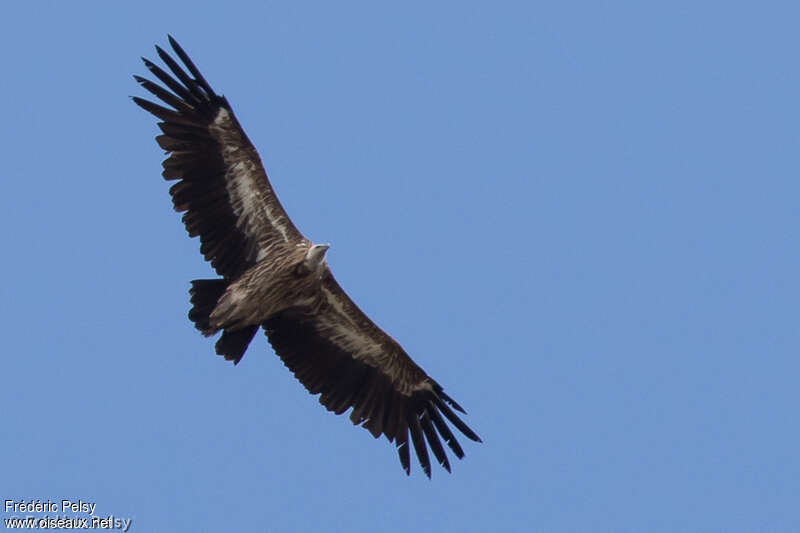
{"x": 274, "y": 278}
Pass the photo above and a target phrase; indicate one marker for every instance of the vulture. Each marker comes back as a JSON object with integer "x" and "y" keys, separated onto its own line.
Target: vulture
{"x": 274, "y": 278}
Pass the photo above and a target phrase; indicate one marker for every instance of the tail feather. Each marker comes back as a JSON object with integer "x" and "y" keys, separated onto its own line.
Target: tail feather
{"x": 204, "y": 296}
{"x": 233, "y": 344}
{"x": 205, "y": 293}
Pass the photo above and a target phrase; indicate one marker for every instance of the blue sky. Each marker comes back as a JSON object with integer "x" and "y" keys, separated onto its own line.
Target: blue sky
{"x": 580, "y": 218}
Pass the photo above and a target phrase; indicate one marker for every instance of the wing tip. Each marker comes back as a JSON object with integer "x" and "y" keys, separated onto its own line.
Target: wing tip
{"x": 444, "y": 396}
{"x": 174, "y": 44}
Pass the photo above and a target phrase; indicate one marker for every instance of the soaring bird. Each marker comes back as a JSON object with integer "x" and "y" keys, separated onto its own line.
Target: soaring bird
{"x": 274, "y": 278}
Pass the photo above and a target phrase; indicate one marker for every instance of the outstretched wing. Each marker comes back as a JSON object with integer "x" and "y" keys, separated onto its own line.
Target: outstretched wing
{"x": 222, "y": 186}
{"x": 338, "y": 352}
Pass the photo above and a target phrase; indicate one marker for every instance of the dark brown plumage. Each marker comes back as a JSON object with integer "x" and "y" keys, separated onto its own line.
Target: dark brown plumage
{"x": 275, "y": 278}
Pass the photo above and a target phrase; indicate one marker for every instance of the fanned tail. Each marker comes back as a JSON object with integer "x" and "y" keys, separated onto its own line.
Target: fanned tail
{"x": 205, "y": 293}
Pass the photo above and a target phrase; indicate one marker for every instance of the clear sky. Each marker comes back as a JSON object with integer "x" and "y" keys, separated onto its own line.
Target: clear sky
{"x": 580, "y": 218}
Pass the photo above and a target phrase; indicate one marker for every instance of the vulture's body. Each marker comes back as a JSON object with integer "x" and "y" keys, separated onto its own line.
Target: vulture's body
{"x": 276, "y": 279}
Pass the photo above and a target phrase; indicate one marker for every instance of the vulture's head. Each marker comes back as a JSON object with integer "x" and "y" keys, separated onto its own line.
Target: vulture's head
{"x": 315, "y": 257}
